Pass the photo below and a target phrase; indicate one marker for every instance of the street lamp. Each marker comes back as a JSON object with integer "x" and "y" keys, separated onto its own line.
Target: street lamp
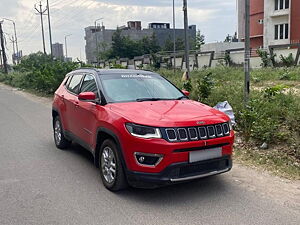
{"x": 15, "y": 31}
{"x": 96, "y": 39}
{"x": 66, "y": 45}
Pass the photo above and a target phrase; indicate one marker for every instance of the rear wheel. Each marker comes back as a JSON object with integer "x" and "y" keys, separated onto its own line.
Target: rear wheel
{"x": 111, "y": 168}
{"x": 60, "y": 141}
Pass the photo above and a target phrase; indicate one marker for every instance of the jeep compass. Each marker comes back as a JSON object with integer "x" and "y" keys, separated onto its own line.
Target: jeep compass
{"x": 141, "y": 129}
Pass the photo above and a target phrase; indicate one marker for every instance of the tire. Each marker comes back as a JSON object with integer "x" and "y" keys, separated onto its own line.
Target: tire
{"x": 110, "y": 165}
{"x": 59, "y": 138}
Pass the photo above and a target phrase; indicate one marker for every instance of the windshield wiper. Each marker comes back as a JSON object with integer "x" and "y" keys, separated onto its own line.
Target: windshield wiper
{"x": 182, "y": 97}
{"x": 150, "y": 99}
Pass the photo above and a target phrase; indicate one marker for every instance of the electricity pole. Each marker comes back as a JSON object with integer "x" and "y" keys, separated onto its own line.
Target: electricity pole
{"x": 41, "y": 13}
{"x": 49, "y": 24}
{"x": 247, "y": 51}
{"x": 16, "y": 39}
{"x": 96, "y": 39}
{"x": 174, "y": 37}
{"x": 187, "y": 48}
{"x": 3, "y": 49}
{"x": 66, "y": 48}
{"x": 12, "y": 39}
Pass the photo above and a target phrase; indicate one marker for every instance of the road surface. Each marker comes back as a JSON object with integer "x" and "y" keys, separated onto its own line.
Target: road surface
{"x": 40, "y": 184}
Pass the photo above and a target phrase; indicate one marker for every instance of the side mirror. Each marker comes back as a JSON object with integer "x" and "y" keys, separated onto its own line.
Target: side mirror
{"x": 186, "y": 93}
{"x": 87, "y": 96}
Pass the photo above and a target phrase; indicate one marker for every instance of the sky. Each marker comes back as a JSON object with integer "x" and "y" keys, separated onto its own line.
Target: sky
{"x": 215, "y": 19}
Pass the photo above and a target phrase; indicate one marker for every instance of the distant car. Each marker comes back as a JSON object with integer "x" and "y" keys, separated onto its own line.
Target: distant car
{"x": 140, "y": 128}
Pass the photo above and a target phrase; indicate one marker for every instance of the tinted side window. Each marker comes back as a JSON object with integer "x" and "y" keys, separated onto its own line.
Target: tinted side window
{"x": 68, "y": 81}
{"x": 75, "y": 83}
{"x": 89, "y": 84}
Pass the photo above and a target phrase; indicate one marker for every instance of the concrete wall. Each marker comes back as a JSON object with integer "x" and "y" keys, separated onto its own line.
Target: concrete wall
{"x": 203, "y": 60}
{"x": 285, "y": 53}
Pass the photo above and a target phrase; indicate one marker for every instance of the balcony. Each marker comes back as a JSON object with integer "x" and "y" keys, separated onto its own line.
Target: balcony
{"x": 281, "y": 12}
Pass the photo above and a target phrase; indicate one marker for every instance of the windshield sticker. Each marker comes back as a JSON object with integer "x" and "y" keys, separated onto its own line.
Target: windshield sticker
{"x": 136, "y": 76}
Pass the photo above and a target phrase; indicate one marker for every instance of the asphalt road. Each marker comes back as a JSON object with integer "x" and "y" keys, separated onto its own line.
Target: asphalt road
{"x": 40, "y": 184}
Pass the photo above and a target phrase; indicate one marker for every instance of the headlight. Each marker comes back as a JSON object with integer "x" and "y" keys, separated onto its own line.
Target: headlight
{"x": 143, "y": 131}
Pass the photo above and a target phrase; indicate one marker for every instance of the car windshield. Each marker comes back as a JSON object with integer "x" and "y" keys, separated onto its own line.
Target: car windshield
{"x": 138, "y": 87}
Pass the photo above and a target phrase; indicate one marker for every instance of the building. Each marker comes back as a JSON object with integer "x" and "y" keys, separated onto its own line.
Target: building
{"x": 103, "y": 36}
{"x": 58, "y": 51}
{"x": 272, "y": 22}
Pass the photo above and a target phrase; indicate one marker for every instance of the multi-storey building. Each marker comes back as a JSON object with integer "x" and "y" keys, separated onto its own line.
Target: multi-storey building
{"x": 58, "y": 51}
{"x": 272, "y": 22}
{"x": 102, "y": 37}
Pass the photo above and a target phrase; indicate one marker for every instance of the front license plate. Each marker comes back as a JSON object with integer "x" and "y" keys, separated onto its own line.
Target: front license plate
{"x": 201, "y": 155}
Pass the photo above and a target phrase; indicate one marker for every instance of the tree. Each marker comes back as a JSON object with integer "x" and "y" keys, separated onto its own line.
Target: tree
{"x": 200, "y": 40}
{"x": 124, "y": 47}
{"x": 169, "y": 45}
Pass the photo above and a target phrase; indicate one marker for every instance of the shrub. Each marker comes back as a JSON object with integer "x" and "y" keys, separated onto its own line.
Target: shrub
{"x": 287, "y": 61}
{"x": 204, "y": 87}
{"x": 40, "y": 72}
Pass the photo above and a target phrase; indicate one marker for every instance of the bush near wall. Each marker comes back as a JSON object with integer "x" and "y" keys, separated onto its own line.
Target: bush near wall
{"x": 39, "y": 72}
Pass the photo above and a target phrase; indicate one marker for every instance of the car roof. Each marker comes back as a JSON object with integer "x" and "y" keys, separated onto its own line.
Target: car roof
{"x": 113, "y": 71}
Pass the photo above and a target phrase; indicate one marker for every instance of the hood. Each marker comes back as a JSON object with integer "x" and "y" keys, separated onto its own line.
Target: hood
{"x": 179, "y": 113}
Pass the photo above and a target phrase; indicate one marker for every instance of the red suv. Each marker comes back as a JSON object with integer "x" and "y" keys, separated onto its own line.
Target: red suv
{"x": 140, "y": 128}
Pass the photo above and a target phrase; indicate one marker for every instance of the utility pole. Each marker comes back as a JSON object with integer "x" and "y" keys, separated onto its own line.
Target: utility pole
{"x": 96, "y": 39}
{"x": 14, "y": 50}
{"x": 247, "y": 52}
{"x": 187, "y": 48}
{"x": 49, "y": 24}
{"x": 41, "y": 13}
{"x": 16, "y": 39}
{"x": 66, "y": 47}
{"x": 3, "y": 49}
{"x": 174, "y": 37}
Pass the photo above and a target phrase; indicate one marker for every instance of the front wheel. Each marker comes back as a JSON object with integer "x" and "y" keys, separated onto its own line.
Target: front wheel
{"x": 111, "y": 168}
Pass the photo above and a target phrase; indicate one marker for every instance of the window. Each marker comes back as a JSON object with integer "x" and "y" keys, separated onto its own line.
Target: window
{"x": 286, "y": 31}
{"x": 287, "y": 4}
{"x": 75, "y": 83}
{"x": 282, "y": 4}
{"x": 89, "y": 85}
{"x": 276, "y": 32}
{"x": 68, "y": 81}
{"x": 281, "y": 31}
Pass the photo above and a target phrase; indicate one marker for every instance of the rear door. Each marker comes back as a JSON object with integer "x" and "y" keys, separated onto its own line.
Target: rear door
{"x": 86, "y": 112}
{"x": 71, "y": 101}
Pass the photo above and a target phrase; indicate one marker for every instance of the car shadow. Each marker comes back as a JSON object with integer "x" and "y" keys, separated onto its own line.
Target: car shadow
{"x": 177, "y": 194}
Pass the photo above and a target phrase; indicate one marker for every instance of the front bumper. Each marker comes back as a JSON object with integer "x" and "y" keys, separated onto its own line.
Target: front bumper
{"x": 180, "y": 172}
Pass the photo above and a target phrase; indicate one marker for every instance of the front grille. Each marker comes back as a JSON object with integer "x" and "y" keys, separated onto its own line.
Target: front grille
{"x": 191, "y": 170}
{"x": 182, "y": 134}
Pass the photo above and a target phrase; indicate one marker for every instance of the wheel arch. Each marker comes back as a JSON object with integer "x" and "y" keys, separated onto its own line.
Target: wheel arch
{"x": 102, "y": 135}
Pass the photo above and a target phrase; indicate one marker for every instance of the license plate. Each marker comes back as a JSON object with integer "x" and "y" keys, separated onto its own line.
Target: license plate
{"x": 201, "y": 155}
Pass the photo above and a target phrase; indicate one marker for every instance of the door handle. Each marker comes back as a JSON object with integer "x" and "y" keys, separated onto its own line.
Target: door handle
{"x": 76, "y": 104}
